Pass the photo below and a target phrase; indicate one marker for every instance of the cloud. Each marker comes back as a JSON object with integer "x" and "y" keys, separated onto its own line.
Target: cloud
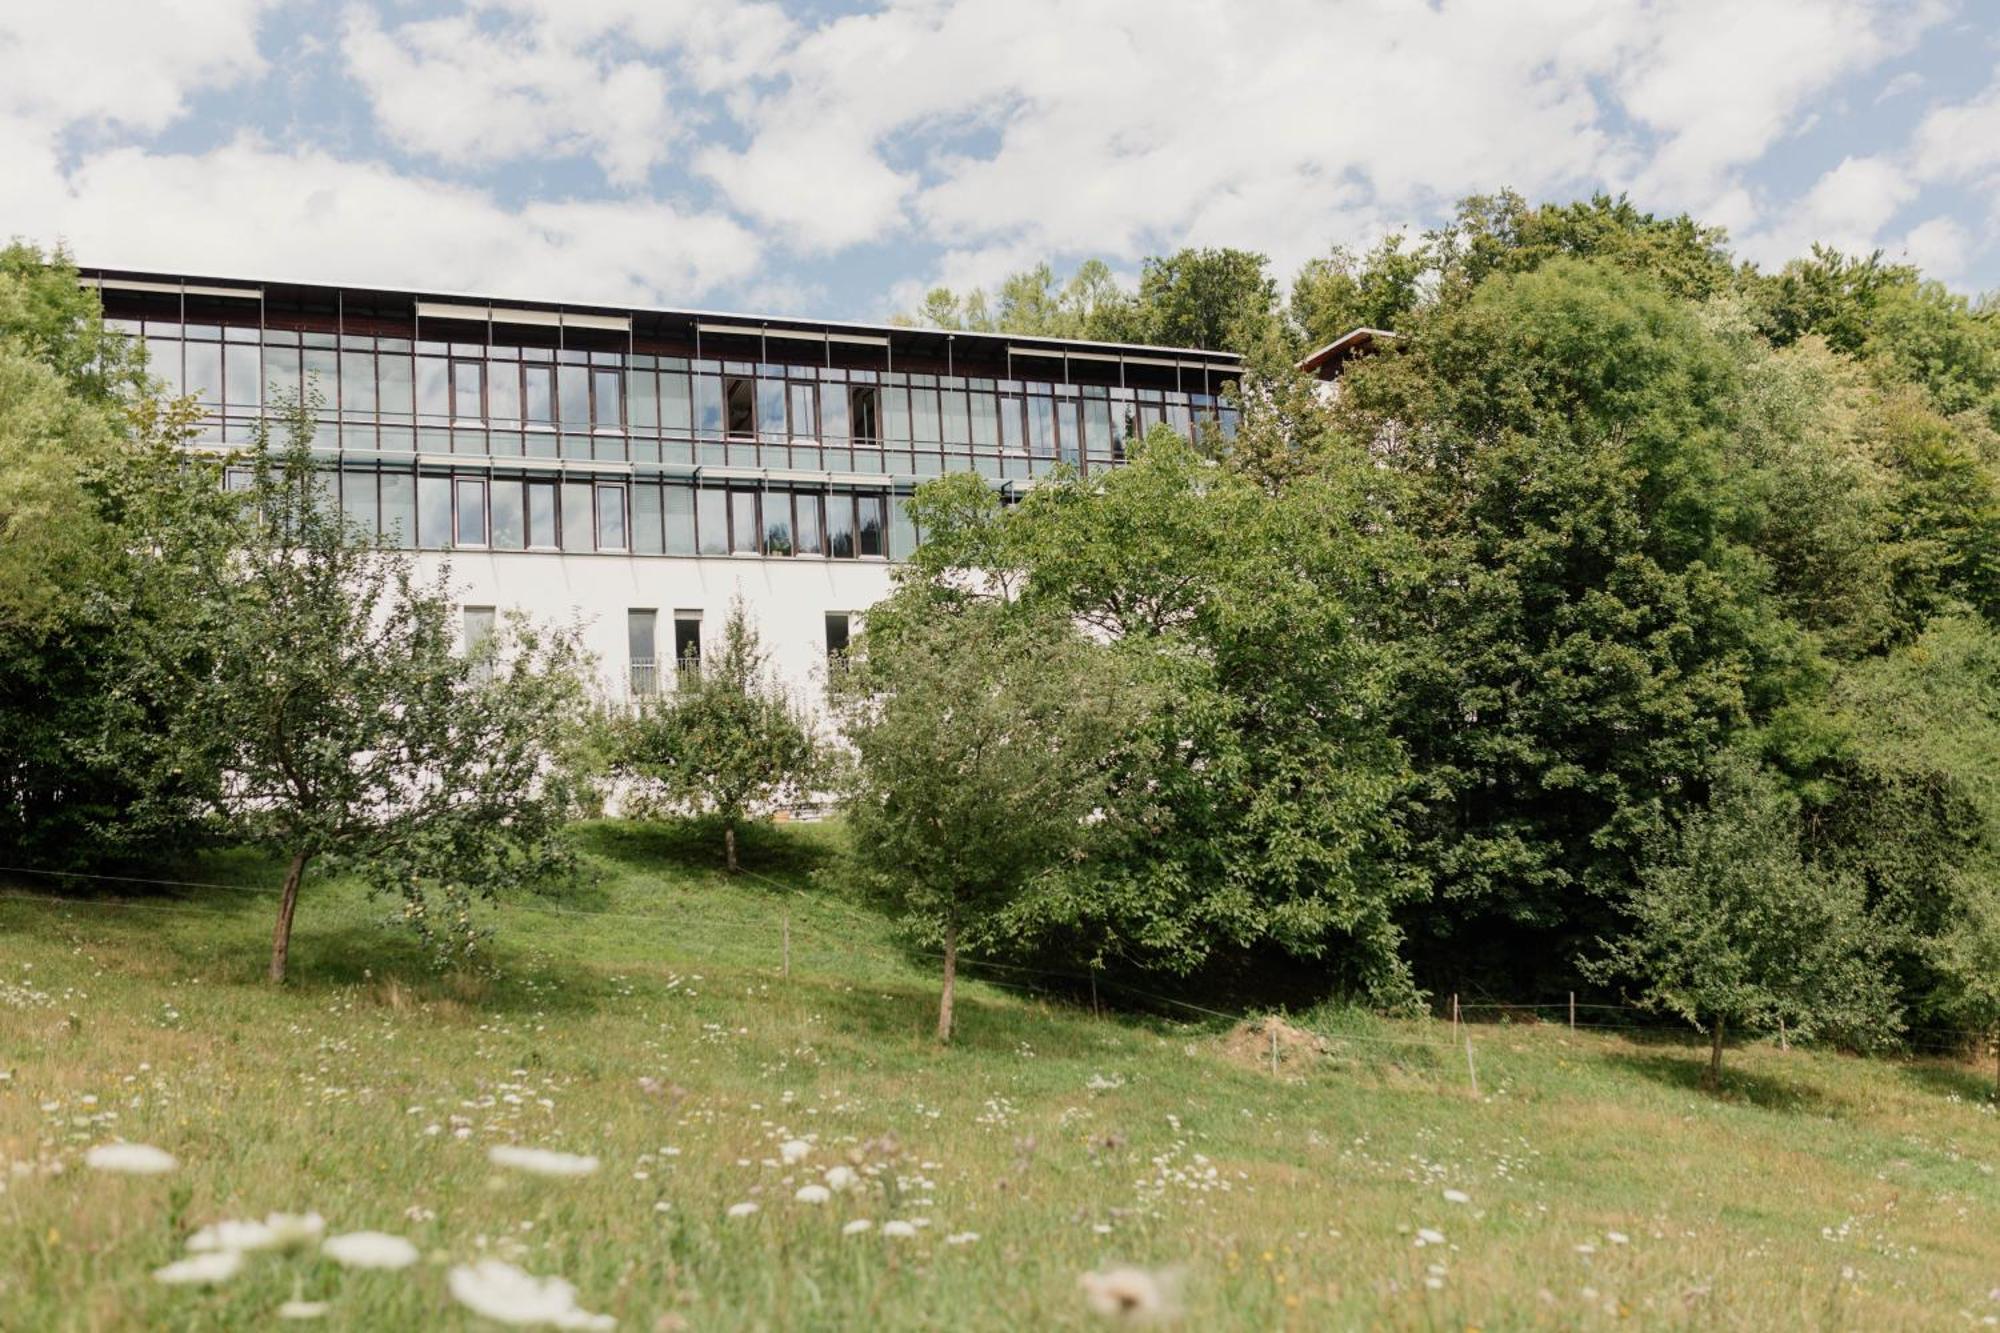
{"x": 1939, "y": 246}
{"x": 309, "y": 215}
{"x": 104, "y": 64}
{"x": 1961, "y": 141}
{"x": 1846, "y": 208}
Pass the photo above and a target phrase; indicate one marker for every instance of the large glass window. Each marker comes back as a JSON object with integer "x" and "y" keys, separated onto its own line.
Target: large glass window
{"x": 471, "y": 512}
{"x": 433, "y": 511}
{"x": 924, "y": 416}
{"x": 895, "y": 415}
{"x": 771, "y": 408}
{"x": 869, "y": 525}
{"x": 985, "y": 420}
{"x": 642, "y": 632}
{"x": 807, "y": 504}
{"x": 740, "y": 403}
{"x": 646, "y": 535}
{"x": 680, "y": 520}
{"x": 433, "y": 386}
{"x": 743, "y": 522}
{"x": 509, "y": 530}
{"x": 1041, "y": 426}
{"x": 864, "y": 416}
{"x": 708, "y": 406}
{"x": 642, "y": 390}
{"x": 805, "y": 425}
{"x": 244, "y": 375}
{"x": 777, "y": 523}
{"x": 676, "y": 406}
{"x": 204, "y": 372}
{"x": 607, "y": 390}
{"x": 834, "y": 411}
{"x": 573, "y": 388}
{"x": 578, "y": 520}
{"x": 538, "y": 395}
{"x": 503, "y": 391}
{"x": 392, "y": 373}
{"x": 468, "y": 390}
{"x": 357, "y": 382}
{"x": 712, "y": 513}
{"x": 542, "y": 514}
{"x": 399, "y": 508}
{"x": 955, "y": 419}
{"x": 610, "y": 518}
{"x": 687, "y": 639}
{"x": 357, "y": 501}
{"x": 840, "y": 525}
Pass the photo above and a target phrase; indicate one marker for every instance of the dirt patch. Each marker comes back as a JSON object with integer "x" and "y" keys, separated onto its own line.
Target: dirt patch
{"x": 1252, "y": 1042}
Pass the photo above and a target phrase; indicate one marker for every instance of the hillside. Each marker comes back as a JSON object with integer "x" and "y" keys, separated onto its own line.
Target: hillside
{"x": 649, "y": 1024}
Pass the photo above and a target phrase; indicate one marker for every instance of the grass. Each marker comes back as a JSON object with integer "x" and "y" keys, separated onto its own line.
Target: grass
{"x": 1818, "y": 1191}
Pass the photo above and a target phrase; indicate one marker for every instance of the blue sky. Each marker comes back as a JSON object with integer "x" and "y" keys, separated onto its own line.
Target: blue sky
{"x": 835, "y": 159}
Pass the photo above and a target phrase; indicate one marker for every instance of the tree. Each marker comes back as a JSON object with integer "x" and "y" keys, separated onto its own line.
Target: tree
{"x": 1338, "y": 293}
{"x": 353, "y": 730}
{"x": 983, "y": 741}
{"x": 728, "y": 741}
{"x": 1731, "y": 927}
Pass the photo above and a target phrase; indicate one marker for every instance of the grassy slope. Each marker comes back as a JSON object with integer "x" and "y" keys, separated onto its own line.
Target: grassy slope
{"x": 1821, "y": 1192}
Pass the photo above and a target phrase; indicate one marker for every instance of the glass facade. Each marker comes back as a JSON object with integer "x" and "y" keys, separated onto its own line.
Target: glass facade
{"x": 495, "y": 444}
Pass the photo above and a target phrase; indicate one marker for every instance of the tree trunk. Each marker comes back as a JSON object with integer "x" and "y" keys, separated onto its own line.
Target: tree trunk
{"x": 729, "y": 845}
{"x": 281, "y": 938}
{"x": 950, "y": 982}
{"x": 1712, "y": 1079}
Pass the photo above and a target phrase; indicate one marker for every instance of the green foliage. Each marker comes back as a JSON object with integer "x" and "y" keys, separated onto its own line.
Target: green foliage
{"x": 727, "y": 741}
{"x": 1338, "y": 293}
{"x": 1731, "y": 927}
{"x": 1251, "y": 806}
{"x": 983, "y": 740}
{"x": 349, "y": 726}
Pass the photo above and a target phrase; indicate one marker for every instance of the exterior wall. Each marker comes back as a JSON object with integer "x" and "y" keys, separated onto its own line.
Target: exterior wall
{"x": 788, "y": 600}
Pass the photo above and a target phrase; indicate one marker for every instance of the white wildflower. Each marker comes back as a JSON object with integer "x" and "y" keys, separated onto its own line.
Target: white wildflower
{"x": 1429, "y": 1236}
{"x": 794, "y": 1151}
{"x": 201, "y": 1270}
{"x": 230, "y": 1236}
{"x": 841, "y": 1178}
{"x": 303, "y": 1309}
{"x": 1131, "y": 1294}
{"x": 506, "y": 1295}
{"x": 294, "y": 1231}
{"x": 1457, "y": 1196}
{"x": 856, "y": 1227}
{"x": 961, "y": 1238}
{"x": 899, "y": 1230}
{"x": 1617, "y": 1238}
{"x": 369, "y": 1249}
{"x": 742, "y": 1209}
{"x": 813, "y": 1194}
{"x": 132, "y": 1159}
{"x": 540, "y": 1161}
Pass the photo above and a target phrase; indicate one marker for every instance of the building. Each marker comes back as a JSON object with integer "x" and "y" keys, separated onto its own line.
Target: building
{"x": 638, "y": 469}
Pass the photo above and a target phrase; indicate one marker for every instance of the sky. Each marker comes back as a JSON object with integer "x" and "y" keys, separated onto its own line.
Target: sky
{"x": 836, "y": 159}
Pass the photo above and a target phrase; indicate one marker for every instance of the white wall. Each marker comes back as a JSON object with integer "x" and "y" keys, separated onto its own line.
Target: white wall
{"x": 787, "y": 599}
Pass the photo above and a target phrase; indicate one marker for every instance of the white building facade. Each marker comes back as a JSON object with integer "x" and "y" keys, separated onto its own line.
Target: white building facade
{"x": 634, "y": 471}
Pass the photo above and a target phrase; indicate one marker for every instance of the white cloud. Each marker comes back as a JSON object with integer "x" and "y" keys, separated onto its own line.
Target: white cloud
{"x": 1846, "y": 208}
{"x": 1939, "y": 246}
{"x": 1961, "y": 141}
{"x": 252, "y": 209}
{"x": 105, "y": 63}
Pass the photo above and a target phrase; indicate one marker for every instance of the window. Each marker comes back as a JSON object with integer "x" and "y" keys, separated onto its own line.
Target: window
{"x": 680, "y": 520}
{"x": 542, "y": 514}
{"x": 777, "y": 523}
{"x": 471, "y": 512}
{"x": 646, "y": 519}
{"x": 357, "y": 501}
{"x": 675, "y": 407}
{"x": 433, "y": 386}
{"x": 573, "y": 397}
{"x": 712, "y": 515}
{"x": 577, "y": 518}
{"x": 687, "y": 639}
{"x": 834, "y": 410}
{"x": 864, "y": 416}
{"x": 606, "y": 388}
{"x": 357, "y": 382}
{"x": 840, "y": 525}
{"x": 641, "y": 636}
{"x": 399, "y": 508}
{"x": 508, "y": 533}
{"x": 610, "y": 518}
{"x": 739, "y": 403}
{"x": 393, "y": 372}
{"x": 468, "y": 390}
{"x": 479, "y": 641}
{"x": 870, "y": 524}
{"x": 538, "y": 394}
{"x": 804, "y": 424}
{"x": 807, "y": 505}
{"x": 836, "y": 634}
{"x": 707, "y": 406}
{"x": 503, "y": 392}
{"x": 771, "y": 408}
{"x": 433, "y": 511}
{"x": 243, "y": 374}
{"x": 743, "y": 523}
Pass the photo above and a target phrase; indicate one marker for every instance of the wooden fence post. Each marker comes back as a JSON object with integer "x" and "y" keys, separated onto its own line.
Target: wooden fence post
{"x": 785, "y": 925}
{"x": 1471, "y": 1073}
{"x": 1572, "y": 1011}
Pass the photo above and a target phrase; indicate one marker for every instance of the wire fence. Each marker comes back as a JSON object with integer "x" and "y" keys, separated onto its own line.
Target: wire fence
{"x": 1451, "y": 1011}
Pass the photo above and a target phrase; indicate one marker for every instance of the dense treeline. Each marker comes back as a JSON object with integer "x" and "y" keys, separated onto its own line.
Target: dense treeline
{"x": 1624, "y": 559}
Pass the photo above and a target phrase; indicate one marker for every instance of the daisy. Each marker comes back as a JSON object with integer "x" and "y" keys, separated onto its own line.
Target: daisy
{"x": 132, "y": 1159}
{"x": 202, "y": 1269}
{"x": 506, "y": 1295}
{"x": 1131, "y": 1294}
{"x": 540, "y": 1161}
{"x": 369, "y": 1249}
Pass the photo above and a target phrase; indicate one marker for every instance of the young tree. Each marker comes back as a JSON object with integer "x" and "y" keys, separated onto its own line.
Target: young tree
{"x": 982, "y": 742}
{"x": 354, "y": 730}
{"x": 1730, "y": 927}
{"x": 728, "y": 741}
